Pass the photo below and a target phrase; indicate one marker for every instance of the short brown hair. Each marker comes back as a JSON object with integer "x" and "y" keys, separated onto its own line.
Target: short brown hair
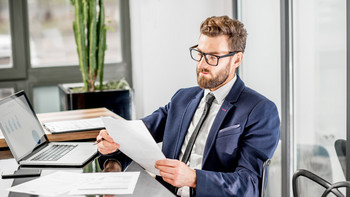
{"x": 223, "y": 25}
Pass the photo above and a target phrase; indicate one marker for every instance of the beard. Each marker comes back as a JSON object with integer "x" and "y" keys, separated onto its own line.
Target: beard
{"x": 215, "y": 80}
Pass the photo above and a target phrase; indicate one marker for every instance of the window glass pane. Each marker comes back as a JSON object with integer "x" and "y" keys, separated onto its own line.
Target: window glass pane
{"x": 52, "y": 41}
{"x": 46, "y": 99}
{"x": 319, "y": 48}
{"x": 5, "y": 36}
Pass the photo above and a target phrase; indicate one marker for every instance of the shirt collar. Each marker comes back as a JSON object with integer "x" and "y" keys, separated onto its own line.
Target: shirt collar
{"x": 221, "y": 93}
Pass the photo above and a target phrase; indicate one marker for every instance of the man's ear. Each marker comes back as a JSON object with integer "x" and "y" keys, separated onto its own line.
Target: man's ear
{"x": 238, "y": 58}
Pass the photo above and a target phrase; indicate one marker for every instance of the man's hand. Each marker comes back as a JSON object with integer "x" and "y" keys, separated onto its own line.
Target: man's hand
{"x": 107, "y": 145}
{"x": 176, "y": 173}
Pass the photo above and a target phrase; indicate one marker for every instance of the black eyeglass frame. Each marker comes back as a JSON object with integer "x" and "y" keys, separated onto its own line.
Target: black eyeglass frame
{"x": 231, "y": 53}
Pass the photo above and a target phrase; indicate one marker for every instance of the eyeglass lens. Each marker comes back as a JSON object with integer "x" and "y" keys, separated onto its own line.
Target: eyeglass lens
{"x": 210, "y": 59}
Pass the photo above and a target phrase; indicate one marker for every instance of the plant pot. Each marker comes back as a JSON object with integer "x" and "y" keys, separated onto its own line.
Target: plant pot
{"x": 118, "y": 101}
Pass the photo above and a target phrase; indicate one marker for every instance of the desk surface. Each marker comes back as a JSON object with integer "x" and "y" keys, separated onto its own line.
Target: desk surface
{"x": 146, "y": 185}
{"x": 69, "y": 115}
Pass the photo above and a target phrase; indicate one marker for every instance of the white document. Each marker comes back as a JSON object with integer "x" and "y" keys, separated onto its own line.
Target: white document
{"x": 106, "y": 183}
{"x": 135, "y": 141}
{"x": 54, "y": 184}
{"x": 63, "y": 183}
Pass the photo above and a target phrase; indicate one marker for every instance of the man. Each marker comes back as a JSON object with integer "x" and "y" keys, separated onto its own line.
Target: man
{"x": 217, "y": 136}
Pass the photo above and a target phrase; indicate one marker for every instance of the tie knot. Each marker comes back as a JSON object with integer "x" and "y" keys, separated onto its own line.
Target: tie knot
{"x": 209, "y": 98}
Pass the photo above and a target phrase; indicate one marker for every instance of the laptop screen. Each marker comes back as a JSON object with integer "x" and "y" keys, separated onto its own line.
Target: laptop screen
{"x": 19, "y": 125}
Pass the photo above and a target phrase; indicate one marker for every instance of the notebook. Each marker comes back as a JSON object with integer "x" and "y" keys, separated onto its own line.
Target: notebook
{"x": 66, "y": 126}
{"x": 27, "y": 140}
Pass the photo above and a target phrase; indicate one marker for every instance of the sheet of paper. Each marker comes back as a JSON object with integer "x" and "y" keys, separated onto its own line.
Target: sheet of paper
{"x": 62, "y": 183}
{"x": 135, "y": 141}
{"x": 48, "y": 185}
{"x": 106, "y": 183}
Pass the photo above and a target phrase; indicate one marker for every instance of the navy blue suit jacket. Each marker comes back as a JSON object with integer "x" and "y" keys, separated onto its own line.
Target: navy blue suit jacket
{"x": 244, "y": 134}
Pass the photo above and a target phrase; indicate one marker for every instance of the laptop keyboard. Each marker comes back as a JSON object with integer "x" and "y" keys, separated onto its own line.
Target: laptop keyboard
{"x": 54, "y": 153}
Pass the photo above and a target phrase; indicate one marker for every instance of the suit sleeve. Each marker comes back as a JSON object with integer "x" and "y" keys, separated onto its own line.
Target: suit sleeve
{"x": 155, "y": 123}
{"x": 118, "y": 156}
{"x": 257, "y": 143}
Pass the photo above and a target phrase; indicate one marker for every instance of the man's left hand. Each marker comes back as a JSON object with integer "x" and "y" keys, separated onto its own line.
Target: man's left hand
{"x": 176, "y": 173}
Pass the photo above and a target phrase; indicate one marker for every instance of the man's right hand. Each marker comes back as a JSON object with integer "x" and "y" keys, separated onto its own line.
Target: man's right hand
{"x": 107, "y": 145}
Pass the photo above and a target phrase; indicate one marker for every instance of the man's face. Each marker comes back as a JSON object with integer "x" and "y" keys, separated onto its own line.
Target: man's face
{"x": 213, "y": 77}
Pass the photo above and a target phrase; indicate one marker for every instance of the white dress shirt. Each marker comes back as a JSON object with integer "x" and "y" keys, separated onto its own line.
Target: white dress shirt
{"x": 196, "y": 157}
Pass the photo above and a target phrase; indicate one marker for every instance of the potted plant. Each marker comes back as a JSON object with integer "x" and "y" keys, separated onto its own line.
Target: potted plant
{"x": 90, "y": 36}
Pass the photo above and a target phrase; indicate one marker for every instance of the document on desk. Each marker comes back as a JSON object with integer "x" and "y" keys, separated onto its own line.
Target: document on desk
{"x": 63, "y": 183}
{"x": 135, "y": 141}
{"x": 106, "y": 183}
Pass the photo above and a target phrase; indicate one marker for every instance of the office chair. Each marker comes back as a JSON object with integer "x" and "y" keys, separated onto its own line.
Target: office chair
{"x": 336, "y": 186}
{"x": 316, "y": 159}
{"x": 340, "y": 148}
{"x": 264, "y": 177}
{"x": 322, "y": 182}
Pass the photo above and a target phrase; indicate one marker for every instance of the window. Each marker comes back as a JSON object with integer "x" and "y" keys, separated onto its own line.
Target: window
{"x": 319, "y": 48}
{"x": 52, "y": 41}
{"x": 44, "y": 51}
{"x": 5, "y": 37}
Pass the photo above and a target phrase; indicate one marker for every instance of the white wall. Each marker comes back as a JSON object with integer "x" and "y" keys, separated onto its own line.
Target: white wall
{"x": 161, "y": 34}
{"x": 261, "y": 66}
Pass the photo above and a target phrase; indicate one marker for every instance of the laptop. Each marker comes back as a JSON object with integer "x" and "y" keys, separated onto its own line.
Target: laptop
{"x": 27, "y": 140}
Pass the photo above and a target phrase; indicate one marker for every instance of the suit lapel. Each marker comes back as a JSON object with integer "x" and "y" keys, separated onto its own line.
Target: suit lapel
{"x": 227, "y": 105}
{"x": 186, "y": 120}
{"x": 224, "y": 109}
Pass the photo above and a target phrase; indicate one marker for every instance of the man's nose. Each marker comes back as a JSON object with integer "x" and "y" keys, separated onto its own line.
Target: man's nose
{"x": 203, "y": 63}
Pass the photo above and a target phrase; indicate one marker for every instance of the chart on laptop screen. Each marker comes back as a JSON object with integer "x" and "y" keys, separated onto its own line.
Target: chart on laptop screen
{"x": 19, "y": 124}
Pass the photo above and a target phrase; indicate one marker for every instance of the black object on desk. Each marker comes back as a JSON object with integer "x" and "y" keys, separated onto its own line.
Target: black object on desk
{"x": 21, "y": 173}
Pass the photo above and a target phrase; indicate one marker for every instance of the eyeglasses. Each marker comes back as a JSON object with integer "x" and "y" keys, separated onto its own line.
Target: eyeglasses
{"x": 212, "y": 60}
